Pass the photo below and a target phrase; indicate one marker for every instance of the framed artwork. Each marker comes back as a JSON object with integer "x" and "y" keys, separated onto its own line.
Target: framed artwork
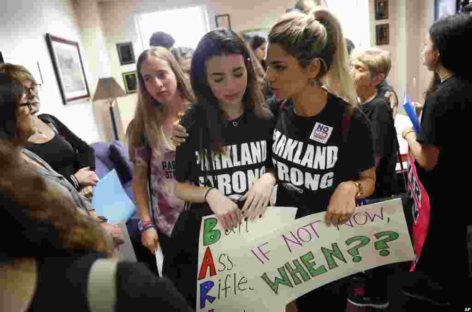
{"x": 69, "y": 69}
{"x": 262, "y": 32}
{"x": 130, "y": 80}
{"x": 125, "y": 53}
{"x": 382, "y": 34}
{"x": 381, "y": 9}
{"x": 223, "y": 21}
{"x": 443, "y": 8}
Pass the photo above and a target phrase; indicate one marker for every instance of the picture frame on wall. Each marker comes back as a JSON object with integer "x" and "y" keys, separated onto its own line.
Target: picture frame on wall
{"x": 382, "y": 34}
{"x": 130, "y": 80}
{"x": 223, "y": 21}
{"x": 443, "y": 8}
{"x": 261, "y": 32}
{"x": 69, "y": 68}
{"x": 125, "y": 53}
{"x": 381, "y": 10}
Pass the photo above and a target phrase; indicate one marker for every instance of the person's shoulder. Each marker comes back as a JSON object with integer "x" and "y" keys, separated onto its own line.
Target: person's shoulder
{"x": 381, "y": 106}
{"x": 358, "y": 117}
{"x": 193, "y": 117}
{"x": 48, "y": 118}
{"x": 263, "y": 115}
{"x": 338, "y": 105}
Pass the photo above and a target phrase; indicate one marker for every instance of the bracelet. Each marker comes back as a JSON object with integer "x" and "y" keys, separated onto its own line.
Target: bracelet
{"x": 142, "y": 225}
{"x": 359, "y": 189}
{"x": 407, "y": 133}
{"x": 147, "y": 227}
{"x": 206, "y": 193}
{"x": 75, "y": 181}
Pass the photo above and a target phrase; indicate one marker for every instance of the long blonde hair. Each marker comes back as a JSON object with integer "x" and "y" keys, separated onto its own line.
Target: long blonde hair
{"x": 150, "y": 114}
{"x": 317, "y": 35}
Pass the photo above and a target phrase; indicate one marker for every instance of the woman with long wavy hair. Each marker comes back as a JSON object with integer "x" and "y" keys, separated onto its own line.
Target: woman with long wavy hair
{"x": 163, "y": 95}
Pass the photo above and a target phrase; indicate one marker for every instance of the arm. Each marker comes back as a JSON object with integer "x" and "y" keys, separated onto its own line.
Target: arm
{"x": 343, "y": 201}
{"x": 225, "y": 209}
{"x": 149, "y": 237}
{"x": 426, "y": 155}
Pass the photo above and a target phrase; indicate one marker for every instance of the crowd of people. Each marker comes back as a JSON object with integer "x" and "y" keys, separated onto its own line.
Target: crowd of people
{"x": 198, "y": 107}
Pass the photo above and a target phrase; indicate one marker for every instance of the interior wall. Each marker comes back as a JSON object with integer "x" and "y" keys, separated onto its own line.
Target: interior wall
{"x": 23, "y": 25}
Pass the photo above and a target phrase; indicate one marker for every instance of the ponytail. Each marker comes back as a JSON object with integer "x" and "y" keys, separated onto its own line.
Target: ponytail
{"x": 338, "y": 78}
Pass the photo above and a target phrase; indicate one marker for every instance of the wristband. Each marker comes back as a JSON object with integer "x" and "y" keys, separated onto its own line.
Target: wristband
{"x": 147, "y": 227}
{"x": 144, "y": 225}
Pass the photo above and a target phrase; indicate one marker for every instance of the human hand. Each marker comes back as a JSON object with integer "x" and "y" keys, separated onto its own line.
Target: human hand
{"x": 341, "y": 204}
{"x": 150, "y": 239}
{"x": 257, "y": 198}
{"x": 115, "y": 232}
{"x": 226, "y": 210}
{"x": 87, "y": 191}
{"x": 179, "y": 133}
{"x": 86, "y": 177}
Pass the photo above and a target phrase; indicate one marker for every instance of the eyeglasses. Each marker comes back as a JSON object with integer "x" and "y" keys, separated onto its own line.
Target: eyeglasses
{"x": 31, "y": 91}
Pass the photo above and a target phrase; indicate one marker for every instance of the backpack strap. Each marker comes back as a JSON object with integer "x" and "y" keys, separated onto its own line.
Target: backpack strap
{"x": 101, "y": 285}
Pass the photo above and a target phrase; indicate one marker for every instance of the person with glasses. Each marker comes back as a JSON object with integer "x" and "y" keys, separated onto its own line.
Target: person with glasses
{"x": 65, "y": 152}
{"x": 16, "y": 126}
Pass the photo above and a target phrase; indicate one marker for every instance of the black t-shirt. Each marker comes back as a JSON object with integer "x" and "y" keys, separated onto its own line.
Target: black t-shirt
{"x": 247, "y": 142}
{"x": 446, "y": 115}
{"x": 65, "y": 152}
{"x": 312, "y": 156}
{"x": 383, "y": 88}
{"x": 385, "y": 144}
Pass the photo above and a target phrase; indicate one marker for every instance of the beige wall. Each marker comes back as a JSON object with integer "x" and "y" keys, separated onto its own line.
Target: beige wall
{"x": 23, "y": 25}
{"x": 119, "y": 25}
{"x": 409, "y": 23}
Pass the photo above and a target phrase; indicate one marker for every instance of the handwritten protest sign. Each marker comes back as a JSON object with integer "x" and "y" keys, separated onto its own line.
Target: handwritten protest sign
{"x": 306, "y": 254}
{"x": 220, "y": 284}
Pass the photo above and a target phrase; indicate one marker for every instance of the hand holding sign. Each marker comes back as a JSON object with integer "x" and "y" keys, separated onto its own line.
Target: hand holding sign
{"x": 226, "y": 210}
{"x": 307, "y": 254}
{"x": 221, "y": 285}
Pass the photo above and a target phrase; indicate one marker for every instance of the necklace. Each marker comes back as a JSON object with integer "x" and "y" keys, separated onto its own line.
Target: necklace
{"x": 235, "y": 122}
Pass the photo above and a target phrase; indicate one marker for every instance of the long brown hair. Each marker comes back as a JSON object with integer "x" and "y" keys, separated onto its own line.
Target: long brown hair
{"x": 39, "y": 220}
{"x": 216, "y": 43}
{"x": 317, "y": 35}
{"x": 149, "y": 113}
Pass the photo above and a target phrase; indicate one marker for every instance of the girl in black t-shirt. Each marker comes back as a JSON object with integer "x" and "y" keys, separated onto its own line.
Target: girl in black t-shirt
{"x": 442, "y": 164}
{"x": 322, "y": 150}
{"x": 225, "y": 158}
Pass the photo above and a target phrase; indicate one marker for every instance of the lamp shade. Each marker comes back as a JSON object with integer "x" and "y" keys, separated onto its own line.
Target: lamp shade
{"x": 108, "y": 88}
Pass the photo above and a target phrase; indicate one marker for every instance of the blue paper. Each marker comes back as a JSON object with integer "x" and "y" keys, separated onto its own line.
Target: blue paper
{"x": 411, "y": 112}
{"x": 110, "y": 200}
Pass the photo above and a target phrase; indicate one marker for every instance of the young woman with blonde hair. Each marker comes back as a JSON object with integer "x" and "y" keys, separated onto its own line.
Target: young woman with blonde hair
{"x": 334, "y": 160}
{"x": 164, "y": 94}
